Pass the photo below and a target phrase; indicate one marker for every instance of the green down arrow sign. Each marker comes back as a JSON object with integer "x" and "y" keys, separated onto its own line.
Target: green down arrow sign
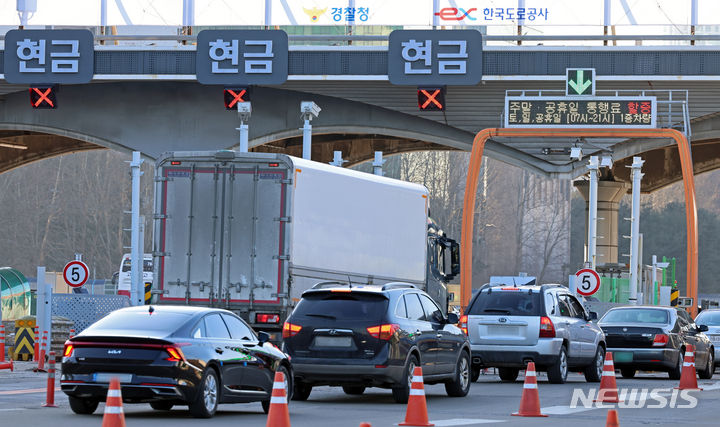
{"x": 580, "y": 81}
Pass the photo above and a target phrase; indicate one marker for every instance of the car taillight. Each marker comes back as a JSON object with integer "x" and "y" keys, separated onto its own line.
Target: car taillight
{"x": 660, "y": 340}
{"x": 547, "y": 329}
{"x": 175, "y": 354}
{"x": 267, "y": 318}
{"x": 68, "y": 350}
{"x": 462, "y": 324}
{"x": 383, "y": 332}
{"x": 290, "y": 330}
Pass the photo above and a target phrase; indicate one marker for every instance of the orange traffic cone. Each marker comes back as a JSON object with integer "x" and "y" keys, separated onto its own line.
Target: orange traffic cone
{"x": 365, "y": 425}
{"x": 688, "y": 378}
{"x": 114, "y": 416}
{"x": 612, "y": 419}
{"x": 278, "y": 415}
{"x": 608, "y": 387}
{"x": 416, "y": 414}
{"x": 530, "y": 401}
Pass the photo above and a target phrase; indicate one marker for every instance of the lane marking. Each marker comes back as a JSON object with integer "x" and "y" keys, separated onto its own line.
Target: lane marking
{"x": 27, "y": 391}
{"x": 715, "y": 386}
{"x": 12, "y": 409}
{"x": 464, "y": 422}
{"x": 563, "y": 410}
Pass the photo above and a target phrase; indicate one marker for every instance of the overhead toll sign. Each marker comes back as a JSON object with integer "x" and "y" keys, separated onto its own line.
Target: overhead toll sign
{"x": 49, "y": 56}
{"x": 580, "y": 81}
{"x": 435, "y": 57}
{"x": 242, "y": 57}
{"x": 586, "y": 112}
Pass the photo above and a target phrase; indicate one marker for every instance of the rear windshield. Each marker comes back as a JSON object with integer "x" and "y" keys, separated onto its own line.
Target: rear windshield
{"x": 342, "y": 306}
{"x": 708, "y": 318}
{"x": 646, "y": 315}
{"x": 510, "y": 303}
{"x": 134, "y": 321}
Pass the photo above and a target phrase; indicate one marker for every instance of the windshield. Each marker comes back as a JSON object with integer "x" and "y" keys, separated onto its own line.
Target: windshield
{"x": 342, "y": 306}
{"x": 708, "y": 318}
{"x": 510, "y": 303}
{"x": 140, "y": 321}
{"x": 147, "y": 265}
{"x": 639, "y": 315}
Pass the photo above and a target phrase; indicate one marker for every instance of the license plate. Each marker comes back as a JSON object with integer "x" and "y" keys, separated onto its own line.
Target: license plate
{"x": 333, "y": 341}
{"x": 714, "y": 338}
{"x": 106, "y": 377}
{"x": 623, "y": 356}
{"x": 504, "y": 330}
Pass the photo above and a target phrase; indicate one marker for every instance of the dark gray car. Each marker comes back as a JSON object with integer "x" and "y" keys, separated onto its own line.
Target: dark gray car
{"x": 655, "y": 338}
{"x": 358, "y": 336}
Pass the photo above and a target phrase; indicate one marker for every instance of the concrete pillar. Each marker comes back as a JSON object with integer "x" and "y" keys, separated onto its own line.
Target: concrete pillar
{"x": 608, "y": 202}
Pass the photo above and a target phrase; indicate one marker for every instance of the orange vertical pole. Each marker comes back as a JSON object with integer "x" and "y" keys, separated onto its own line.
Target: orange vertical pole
{"x": 471, "y": 183}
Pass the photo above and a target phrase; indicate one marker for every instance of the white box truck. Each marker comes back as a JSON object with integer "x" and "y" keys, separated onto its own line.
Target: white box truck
{"x": 251, "y": 231}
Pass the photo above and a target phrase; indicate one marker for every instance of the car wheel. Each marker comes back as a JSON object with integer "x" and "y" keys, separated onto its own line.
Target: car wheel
{"x": 353, "y": 389}
{"x": 508, "y": 374}
{"x": 475, "y": 373}
{"x": 593, "y": 372}
{"x": 301, "y": 391}
{"x": 206, "y": 402}
{"x": 676, "y": 372}
{"x": 460, "y": 384}
{"x": 628, "y": 372}
{"x": 709, "y": 370}
{"x": 557, "y": 372}
{"x": 288, "y": 388}
{"x": 401, "y": 392}
{"x": 82, "y": 406}
{"x": 161, "y": 405}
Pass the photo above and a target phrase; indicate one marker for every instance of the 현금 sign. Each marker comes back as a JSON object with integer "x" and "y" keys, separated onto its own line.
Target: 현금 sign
{"x": 548, "y": 112}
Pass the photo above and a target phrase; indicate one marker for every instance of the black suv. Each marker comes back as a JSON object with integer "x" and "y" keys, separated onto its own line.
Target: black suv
{"x": 359, "y": 336}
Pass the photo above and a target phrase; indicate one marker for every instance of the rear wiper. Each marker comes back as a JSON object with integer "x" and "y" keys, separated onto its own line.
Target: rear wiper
{"x": 327, "y": 316}
{"x": 496, "y": 310}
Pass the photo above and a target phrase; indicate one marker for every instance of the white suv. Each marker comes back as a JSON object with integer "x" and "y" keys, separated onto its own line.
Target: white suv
{"x": 509, "y": 326}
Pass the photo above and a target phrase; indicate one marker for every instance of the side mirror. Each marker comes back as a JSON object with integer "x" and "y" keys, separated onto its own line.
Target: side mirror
{"x": 703, "y": 328}
{"x": 453, "y": 318}
{"x": 593, "y": 316}
{"x": 263, "y": 337}
{"x": 454, "y": 258}
{"x": 438, "y": 317}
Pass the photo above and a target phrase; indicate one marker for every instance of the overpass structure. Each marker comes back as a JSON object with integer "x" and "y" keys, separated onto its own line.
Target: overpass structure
{"x": 147, "y": 98}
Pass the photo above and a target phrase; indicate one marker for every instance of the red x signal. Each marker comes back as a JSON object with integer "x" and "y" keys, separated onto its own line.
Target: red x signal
{"x": 233, "y": 96}
{"x": 42, "y": 97}
{"x": 431, "y": 99}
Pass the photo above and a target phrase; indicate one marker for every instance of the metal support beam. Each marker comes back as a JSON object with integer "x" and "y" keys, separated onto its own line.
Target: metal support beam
{"x": 136, "y": 251}
{"x": 592, "y": 212}
{"x": 337, "y": 159}
{"x": 635, "y": 229}
{"x": 377, "y": 163}
{"x": 244, "y": 112}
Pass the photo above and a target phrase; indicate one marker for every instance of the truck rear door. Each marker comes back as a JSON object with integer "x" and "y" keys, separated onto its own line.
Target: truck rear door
{"x": 221, "y": 230}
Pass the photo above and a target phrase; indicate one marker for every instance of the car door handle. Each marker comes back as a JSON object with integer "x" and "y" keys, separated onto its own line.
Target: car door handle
{"x": 439, "y": 335}
{"x": 218, "y": 350}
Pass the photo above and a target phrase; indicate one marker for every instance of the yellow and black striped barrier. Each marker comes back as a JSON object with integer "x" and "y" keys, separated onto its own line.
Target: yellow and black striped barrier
{"x": 674, "y": 296}
{"x": 24, "y": 339}
{"x": 148, "y": 293}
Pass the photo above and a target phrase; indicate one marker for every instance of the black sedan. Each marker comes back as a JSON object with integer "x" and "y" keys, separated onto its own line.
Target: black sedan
{"x": 654, "y": 338}
{"x": 172, "y": 355}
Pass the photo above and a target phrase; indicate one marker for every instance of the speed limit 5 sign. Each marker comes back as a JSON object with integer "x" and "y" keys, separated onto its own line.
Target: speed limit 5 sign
{"x": 75, "y": 273}
{"x": 587, "y": 282}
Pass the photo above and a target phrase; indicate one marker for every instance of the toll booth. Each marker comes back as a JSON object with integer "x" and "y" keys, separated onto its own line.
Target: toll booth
{"x": 15, "y": 295}
{"x": 615, "y": 285}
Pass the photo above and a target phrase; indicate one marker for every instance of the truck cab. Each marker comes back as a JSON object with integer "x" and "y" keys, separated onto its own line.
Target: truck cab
{"x": 443, "y": 264}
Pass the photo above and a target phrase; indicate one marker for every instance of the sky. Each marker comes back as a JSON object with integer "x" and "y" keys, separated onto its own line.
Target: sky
{"x": 665, "y": 13}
